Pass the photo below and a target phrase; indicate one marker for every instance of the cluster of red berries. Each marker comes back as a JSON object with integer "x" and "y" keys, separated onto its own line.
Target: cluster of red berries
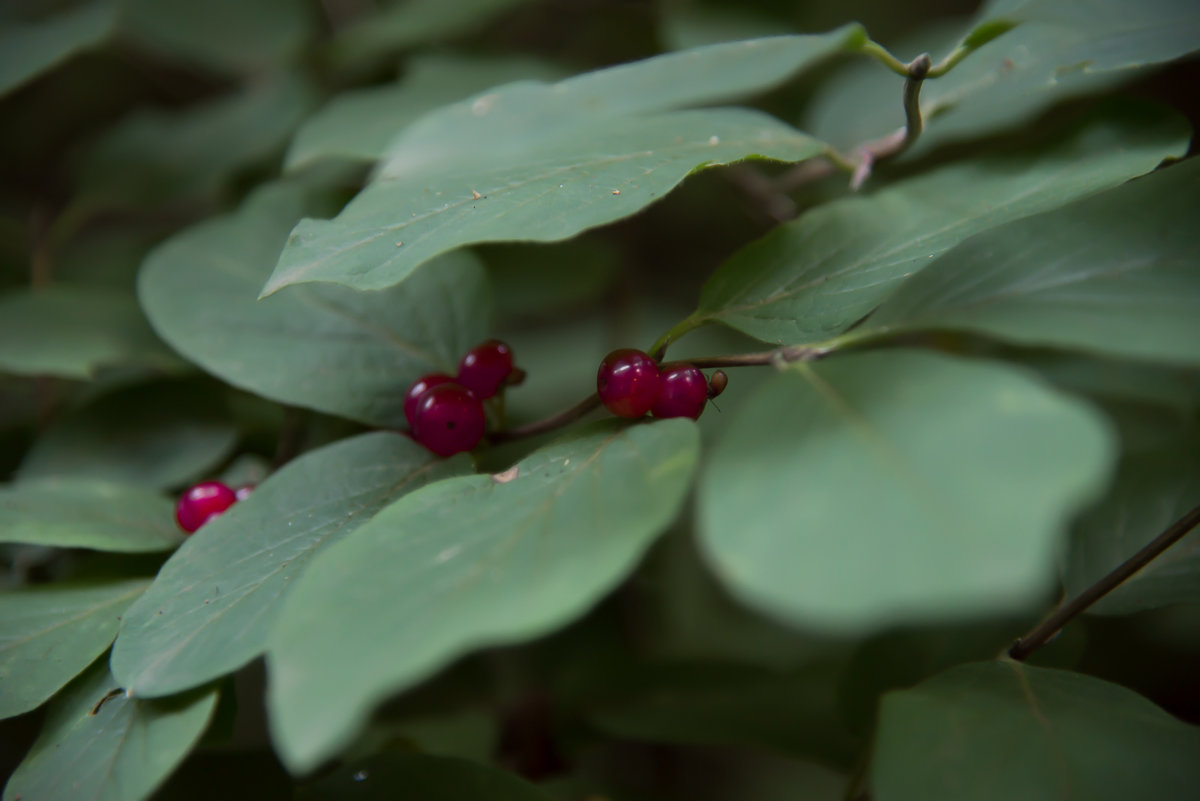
{"x": 446, "y": 414}
{"x": 630, "y": 384}
{"x": 206, "y": 500}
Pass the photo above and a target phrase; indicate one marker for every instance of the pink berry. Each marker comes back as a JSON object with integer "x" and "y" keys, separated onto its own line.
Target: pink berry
{"x": 485, "y": 368}
{"x": 202, "y": 503}
{"x": 419, "y": 387}
{"x": 628, "y": 382}
{"x": 243, "y": 492}
{"x": 682, "y": 392}
{"x": 449, "y": 420}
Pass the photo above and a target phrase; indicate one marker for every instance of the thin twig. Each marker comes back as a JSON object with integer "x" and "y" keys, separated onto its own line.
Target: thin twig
{"x": 1040, "y": 635}
{"x": 563, "y": 418}
{"x": 867, "y": 155}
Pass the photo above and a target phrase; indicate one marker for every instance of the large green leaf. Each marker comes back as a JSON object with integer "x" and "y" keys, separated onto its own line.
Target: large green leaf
{"x": 1116, "y": 273}
{"x": 543, "y": 162}
{"x": 100, "y": 745}
{"x": 155, "y": 156}
{"x": 29, "y": 48}
{"x": 419, "y": 777}
{"x": 464, "y": 563}
{"x": 360, "y": 124}
{"x": 1061, "y": 49}
{"x": 1001, "y": 730}
{"x": 812, "y": 278}
{"x": 553, "y": 192}
{"x": 861, "y": 491}
{"x": 222, "y": 35}
{"x": 72, "y": 331}
{"x": 48, "y": 635}
{"x": 328, "y": 348}
{"x": 1154, "y": 488}
{"x": 85, "y": 513}
{"x": 156, "y": 435}
{"x": 213, "y": 603}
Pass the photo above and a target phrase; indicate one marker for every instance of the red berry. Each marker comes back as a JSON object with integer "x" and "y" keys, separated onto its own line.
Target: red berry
{"x": 628, "y": 382}
{"x": 485, "y": 368}
{"x": 449, "y": 420}
{"x": 419, "y": 387}
{"x": 682, "y": 392}
{"x": 202, "y": 503}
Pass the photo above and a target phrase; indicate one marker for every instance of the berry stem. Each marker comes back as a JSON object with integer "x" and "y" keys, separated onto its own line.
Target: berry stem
{"x": 776, "y": 357}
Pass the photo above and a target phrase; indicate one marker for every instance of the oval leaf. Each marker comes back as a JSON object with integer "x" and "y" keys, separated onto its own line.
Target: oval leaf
{"x": 82, "y": 513}
{"x": 348, "y": 353}
{"x": 48, "y": 635}
{"x": 154, "y": 435}
{"x": 861, "y": 492}
{"x": 72, "y": 331}
{"x": 1114, "y": 273}
{"x": 214, "y": 601}
{"x": 611, "y": 169}
{"x": 815, "y": 277}
{"x": 98, "y": 744}
{"x": 564, "y": 151}
{"x": 464, "y": 563}
{"x": 994, "y": 731}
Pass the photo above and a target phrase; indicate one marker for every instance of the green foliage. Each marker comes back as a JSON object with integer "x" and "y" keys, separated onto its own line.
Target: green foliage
{"x": 993, "y": 730}
{"x": 48, "y": 635}
{"x": 500, "y": 558}
{"x": 98, "y": 743}
{"x": 963, "y": 387}
{"x": 87, "y": 513}
{"x": 887, "y": 474}
{"x": 188, "y": 630}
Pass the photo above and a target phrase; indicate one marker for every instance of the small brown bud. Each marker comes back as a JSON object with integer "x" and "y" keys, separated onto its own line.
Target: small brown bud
{"x": 717, "y": 383}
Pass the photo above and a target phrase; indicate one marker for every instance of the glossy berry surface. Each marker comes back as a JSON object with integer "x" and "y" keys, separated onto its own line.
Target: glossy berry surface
{"x": 202, "y": 503}
{"x": 485, "y": 368}
{"x": 449, "y": 419}
{"x": 628, "y": 382}
{"x": 682, "y": 392}
{"x": 419, "y": 388}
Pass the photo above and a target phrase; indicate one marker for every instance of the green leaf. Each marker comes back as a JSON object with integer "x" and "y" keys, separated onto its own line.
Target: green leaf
{"x": 72, "y": 331}
{"x": 82, "y": 513}
{"x": 1002, "y": 730}
{"x": 28, "y": 49}
{"x": 332, "y": 349}
{"x": 499, "y": 559}
{"x": 360, "y": 124}
{"x": 813, "y": 278}
{"x": 543, "y": 162}
{"x": 229, "y": 36}
{"x": 563, "y": 187}
{"x": 1154, "y": 488}
{"x": 418, "y": 777}
{"x": 155, "y": 156}
{"x": 50, "y": 634}
{"x": 215, "y": 600}
{"x": 117, "y": 749}
{"x": 157, "y": 435}
{"x": 861, "y": 491}
{"x": 411, "y": 23}
{"x": 1060, "y": 49}
{"x": 1114, "y": 273}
